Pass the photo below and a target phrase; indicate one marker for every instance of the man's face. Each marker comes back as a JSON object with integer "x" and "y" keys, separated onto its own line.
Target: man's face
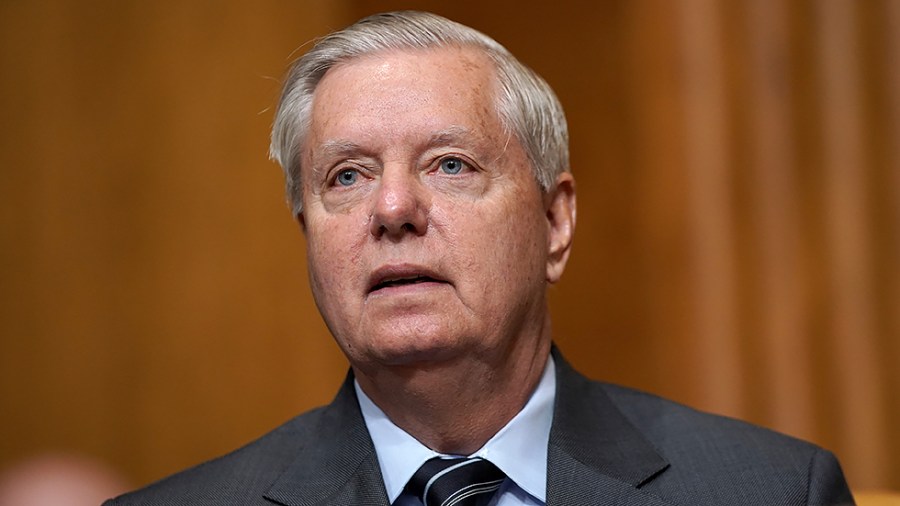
{"x": 428, "y": 237}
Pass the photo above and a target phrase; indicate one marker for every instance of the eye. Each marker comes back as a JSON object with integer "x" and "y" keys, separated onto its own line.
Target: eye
{"x": 452, "y": 165}
{"x": 347, "y": 177}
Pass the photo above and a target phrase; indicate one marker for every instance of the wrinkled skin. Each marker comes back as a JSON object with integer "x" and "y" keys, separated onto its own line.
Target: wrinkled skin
{"x": 429, "y": 241}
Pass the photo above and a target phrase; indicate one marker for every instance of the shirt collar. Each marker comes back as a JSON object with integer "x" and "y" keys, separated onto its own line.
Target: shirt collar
{"x": 519, "y": 449}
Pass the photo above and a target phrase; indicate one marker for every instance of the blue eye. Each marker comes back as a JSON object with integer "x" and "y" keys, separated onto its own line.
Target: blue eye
{"x": 451, "y": 165}
{"x": 347, "y": 177}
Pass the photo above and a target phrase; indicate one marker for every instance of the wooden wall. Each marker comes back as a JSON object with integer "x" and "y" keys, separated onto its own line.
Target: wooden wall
{"x": 738, "y": 170}
{"x": 154, "y": 303}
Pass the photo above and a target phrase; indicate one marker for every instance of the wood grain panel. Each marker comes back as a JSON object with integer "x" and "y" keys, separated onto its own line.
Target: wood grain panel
{"x": 154, "y": 307}
{"x": 848, "y": 230}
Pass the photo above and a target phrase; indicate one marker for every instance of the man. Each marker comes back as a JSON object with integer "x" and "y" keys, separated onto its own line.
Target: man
{"x": 429, "y": 171}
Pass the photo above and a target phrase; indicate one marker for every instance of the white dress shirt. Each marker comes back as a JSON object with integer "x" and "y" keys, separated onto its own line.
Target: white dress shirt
{"x": 519, "y": 449}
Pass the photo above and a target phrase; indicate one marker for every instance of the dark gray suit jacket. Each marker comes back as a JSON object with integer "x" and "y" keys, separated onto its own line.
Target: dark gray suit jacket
{"x": 608, "y": 446}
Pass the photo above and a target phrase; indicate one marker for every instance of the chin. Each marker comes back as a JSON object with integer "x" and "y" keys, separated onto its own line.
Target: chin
{"x": 416, "y": 349}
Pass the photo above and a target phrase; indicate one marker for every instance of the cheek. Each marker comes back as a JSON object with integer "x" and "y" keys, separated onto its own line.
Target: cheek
{"x": 319, "y": 267}
{"x": 523, "y": 259}
{"x": 333, "y": 254}
{"x": 500, "y": 243}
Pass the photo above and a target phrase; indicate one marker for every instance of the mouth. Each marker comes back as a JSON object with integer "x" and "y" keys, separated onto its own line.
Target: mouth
{"x": 400, "y": 277}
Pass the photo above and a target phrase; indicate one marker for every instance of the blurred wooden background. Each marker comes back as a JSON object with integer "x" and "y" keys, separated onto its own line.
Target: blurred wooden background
{"x": 738, "y": 243}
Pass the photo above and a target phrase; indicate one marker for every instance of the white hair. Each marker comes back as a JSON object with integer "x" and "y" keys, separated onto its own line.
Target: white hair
{"x": 526, "y": 104}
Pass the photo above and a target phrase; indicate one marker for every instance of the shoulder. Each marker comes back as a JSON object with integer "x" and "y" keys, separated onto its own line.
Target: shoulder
{"x": 239, "y": 477}
{"x": 717, "y": 456}
{"x": 666, "y": 422}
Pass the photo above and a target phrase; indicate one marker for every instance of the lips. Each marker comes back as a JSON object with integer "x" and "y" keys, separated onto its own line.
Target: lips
{"x": 392, "y": 276}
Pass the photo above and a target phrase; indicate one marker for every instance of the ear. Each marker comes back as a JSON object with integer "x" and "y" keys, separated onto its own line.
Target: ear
{"x": 301, "y": 221}
{"x": 560, "y": 205}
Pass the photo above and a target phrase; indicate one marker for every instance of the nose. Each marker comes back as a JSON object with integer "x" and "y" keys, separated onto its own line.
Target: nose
{"x": 400, "y": 205}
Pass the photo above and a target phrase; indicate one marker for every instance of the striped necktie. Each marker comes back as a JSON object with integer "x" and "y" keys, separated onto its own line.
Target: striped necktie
{"x": 455, "y": 482}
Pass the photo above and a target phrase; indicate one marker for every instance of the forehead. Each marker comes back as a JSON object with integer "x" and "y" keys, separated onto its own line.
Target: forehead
{"x": 455, "y": 63}
{"x": 398, "y": 87}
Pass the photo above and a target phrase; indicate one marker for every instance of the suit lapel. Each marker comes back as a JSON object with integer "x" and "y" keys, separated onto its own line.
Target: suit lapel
{"x": 339, "y": 465}
{"x": 596, "y": 456}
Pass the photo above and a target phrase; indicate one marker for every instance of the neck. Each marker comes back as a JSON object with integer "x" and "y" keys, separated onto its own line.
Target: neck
{"x": 457, "y": 406}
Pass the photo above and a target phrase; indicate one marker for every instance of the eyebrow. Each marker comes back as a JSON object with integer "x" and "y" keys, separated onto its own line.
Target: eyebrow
{"x": 449, "y": 135}
{"x": 339, "y": 148}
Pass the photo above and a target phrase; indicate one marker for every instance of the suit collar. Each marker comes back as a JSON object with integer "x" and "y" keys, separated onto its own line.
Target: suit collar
{"x": 338, "y": 466}
{"x": 596, "y": 455}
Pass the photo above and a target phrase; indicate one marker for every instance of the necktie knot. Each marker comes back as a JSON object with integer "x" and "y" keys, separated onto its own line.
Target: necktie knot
{"x": 455, "y": 482}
